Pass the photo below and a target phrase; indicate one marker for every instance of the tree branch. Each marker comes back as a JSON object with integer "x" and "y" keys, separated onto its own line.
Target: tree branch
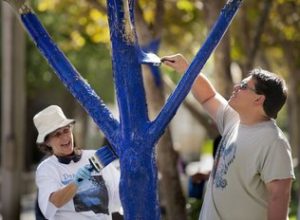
{"x": 159, "y": 17}
{"x": 184, "y": 86}
{"x": 258, "y": 34}
{"x": 195, "y": 111}
{"x": 97, "y": 5}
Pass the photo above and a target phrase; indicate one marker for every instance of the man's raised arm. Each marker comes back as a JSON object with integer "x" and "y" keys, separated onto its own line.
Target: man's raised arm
{"x": 202, "y": 89}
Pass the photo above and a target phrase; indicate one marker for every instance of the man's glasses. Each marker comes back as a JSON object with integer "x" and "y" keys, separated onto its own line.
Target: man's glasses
{"x": 244, "y": 86}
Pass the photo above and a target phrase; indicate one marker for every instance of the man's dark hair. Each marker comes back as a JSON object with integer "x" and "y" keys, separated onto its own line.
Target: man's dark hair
{"x": 272, "y": 87}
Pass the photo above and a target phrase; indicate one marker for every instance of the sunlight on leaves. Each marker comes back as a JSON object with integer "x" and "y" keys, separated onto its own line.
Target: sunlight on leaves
{"x": 289, "y": 32}
{"x": 45, "y": 5}
{"x": 95, "y": 15}
{"x": 97, "y": 33}
{"x": 149, "y": 16}
{"x": 77, "y": 40}
{"x": 102, "y": 36}
{"x": 185, "y": 5}
{"x": 82, "y": 21}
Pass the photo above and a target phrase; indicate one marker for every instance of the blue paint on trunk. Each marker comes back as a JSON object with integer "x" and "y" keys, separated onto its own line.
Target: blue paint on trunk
{"x": 133, "y": 136}
{"x": 137, "y": 161}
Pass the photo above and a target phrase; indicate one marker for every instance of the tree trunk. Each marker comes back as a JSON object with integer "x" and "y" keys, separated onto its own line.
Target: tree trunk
{"x": 221, "y": 55}
{"x": 13, "y": 114}
{"x": 293, "y": 104}
{"x": 251, "y": 35}
{"x": 259, "y": 30}
{"x": 294, "y": 109}
{"x": 199, "y": 114}
{"x": 172, "y": 198}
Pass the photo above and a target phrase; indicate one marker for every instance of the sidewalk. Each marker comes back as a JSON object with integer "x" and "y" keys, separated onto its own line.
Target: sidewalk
{"x": 28, "y": 203}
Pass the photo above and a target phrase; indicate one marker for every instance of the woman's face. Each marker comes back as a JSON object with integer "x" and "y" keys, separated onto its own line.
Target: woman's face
{"x": 61, "y": 141}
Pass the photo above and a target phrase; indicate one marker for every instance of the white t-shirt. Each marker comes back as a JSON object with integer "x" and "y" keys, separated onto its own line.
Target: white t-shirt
{"x": 247, "y": 158}
{"x": 96, "y": 198}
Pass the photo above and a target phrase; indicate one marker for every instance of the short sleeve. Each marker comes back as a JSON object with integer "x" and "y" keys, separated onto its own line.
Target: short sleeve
{"x": 277, "y": 163}
{"x": 47, "y": 183}
{"x": 226, "y": 117}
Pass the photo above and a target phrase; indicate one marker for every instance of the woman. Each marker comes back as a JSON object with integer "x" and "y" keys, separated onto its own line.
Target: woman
{"x": 67, "y": 186}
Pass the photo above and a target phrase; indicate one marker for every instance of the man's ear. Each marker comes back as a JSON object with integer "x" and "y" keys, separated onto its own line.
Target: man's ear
{"x": 260, "y": 100}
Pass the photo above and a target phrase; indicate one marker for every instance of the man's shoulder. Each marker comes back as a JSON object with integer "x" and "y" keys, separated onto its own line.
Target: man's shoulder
{"x": 275, "y": 131}
{"x": 273, "y": 136}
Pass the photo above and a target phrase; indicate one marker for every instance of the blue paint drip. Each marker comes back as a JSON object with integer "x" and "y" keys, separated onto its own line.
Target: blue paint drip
{"x": 185, "y": 84}
{"x": 71, "y": 78}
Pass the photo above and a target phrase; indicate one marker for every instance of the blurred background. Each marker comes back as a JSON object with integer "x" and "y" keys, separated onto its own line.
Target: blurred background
{"x": 264, "y": 33}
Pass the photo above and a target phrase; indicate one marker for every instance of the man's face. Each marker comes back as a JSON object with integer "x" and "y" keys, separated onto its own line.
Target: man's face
{"x": 244, "y": 95}
{"x": 61, "y": 141}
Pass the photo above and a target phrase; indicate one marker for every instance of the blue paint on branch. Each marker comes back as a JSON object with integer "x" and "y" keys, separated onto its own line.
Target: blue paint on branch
{"x": 133, "y": 136}
{"x": 186, "y": 82}
{"x": 67, "y": 73}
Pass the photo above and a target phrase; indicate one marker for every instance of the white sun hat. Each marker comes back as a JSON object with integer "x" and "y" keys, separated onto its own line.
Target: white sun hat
{"x": 49, "y": 120}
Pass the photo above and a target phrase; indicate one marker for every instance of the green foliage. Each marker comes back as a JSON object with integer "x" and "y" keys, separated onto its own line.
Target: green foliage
{"x": 285, "y": 20}
{"x": 294, "y": 197}
{"x": 82, "y": 21}
{"x": 207, "y": 147}
{"x": 183, "y": 27}
{"x": 80, "y": 27}
{"x": 81, "y": 31}
{"x": 193, "y": 208}
{"x": 84, "y": 50}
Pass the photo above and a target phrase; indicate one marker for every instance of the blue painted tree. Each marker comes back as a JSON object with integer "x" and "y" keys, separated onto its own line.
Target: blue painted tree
{"x": 133, "y": 135}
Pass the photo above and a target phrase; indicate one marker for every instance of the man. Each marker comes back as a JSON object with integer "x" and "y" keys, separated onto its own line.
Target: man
{"x": 67, "y": 186}
{"x": 253, "y": 172}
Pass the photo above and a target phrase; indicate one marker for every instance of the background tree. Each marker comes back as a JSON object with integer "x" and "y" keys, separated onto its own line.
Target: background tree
{"x": 12, "y": 114}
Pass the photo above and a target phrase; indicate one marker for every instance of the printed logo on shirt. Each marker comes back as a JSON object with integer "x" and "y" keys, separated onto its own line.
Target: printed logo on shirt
{"x": 225, "y": 156}
{"x": 67, "y": 178}
{"x": 92, "y": 196}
